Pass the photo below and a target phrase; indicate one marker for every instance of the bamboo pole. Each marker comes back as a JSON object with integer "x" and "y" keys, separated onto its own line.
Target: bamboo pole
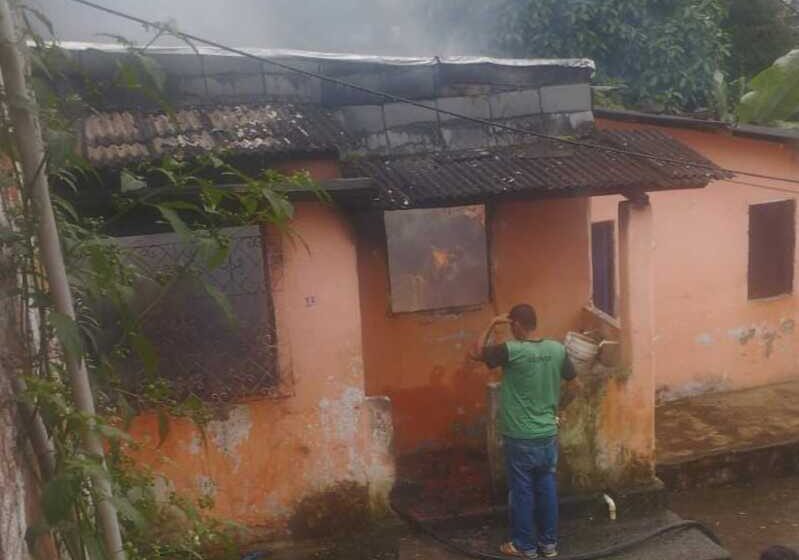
{"x": 28, "y": 138}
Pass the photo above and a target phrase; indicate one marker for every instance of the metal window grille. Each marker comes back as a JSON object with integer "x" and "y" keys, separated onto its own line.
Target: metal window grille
{"x": 201, "y": 349}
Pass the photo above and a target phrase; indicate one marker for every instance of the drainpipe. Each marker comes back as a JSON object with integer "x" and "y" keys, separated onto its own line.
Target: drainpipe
{"x": 611, "y": 506}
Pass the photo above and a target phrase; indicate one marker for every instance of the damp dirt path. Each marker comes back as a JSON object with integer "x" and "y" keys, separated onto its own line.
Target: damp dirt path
{"x": 708, "y": 424}
{"x": 747, "y": 517}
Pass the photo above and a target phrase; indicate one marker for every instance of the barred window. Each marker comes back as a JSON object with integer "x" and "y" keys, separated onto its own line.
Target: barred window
{"x": 217, "y": 350}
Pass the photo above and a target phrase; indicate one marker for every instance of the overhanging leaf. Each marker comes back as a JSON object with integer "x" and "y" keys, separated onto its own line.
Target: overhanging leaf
{"x": 163, "y": 426}
{"x": 43, "y": 19}
{"x": 68, "y": 333}
{"x": 221, "y": 300}
{"x": 212, "y": 252}
{"x": 60, "y": 148}
{"x": 128, "y": 511}
{"x": 153, "y": 71}
{"x": 145, "y": 351}
{"x": 58, "y": 497}
{"x": 66, "y": 207}
{"x": 130, "y": 182}
{"x": 774, "y": 94}
{"x": 112, "y": 432}
{"x": 9, "y": 236}
{"x": 175, "y": 221}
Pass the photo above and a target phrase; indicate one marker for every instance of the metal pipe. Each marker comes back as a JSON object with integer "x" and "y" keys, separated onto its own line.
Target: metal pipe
{"x": 611, "y": 506}
{"x": 28, "y": 138}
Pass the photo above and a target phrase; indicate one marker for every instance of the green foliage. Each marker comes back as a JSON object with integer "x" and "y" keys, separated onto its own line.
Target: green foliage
{"x": 760, "y": 31}
{"x": 774, "y": 94}
{"x": 187, "y": 196}
{"x": 666, "y": 53}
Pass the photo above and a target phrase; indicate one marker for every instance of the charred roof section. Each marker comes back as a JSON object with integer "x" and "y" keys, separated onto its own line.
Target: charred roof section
{"x": 535, "y": 170}
{"x": 447, "y": 151}
{"x": 209, "y": 75}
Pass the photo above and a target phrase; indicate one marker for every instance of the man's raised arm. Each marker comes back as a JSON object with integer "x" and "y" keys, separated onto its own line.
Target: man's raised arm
{"x": 491, "y": 355}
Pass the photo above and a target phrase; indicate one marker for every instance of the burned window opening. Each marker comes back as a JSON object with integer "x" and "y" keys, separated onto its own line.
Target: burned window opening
{"x": 437, "y": 258}
{"x": 201, "y": 348}
{"x": 772, "y": 238}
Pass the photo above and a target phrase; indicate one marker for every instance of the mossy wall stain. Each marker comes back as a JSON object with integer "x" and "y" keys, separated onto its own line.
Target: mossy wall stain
{"x": 341, "y": 509}
{"x": 590, "y": 460}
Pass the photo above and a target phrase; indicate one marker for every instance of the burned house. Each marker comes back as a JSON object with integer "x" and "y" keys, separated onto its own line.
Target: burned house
{"x": 439, "y": 220}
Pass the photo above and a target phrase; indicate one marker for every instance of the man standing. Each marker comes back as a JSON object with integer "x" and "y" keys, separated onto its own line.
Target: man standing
{"x": 529, "y": 398}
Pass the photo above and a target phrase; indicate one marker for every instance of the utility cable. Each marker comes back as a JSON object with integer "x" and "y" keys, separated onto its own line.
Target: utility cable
{"x": 766, "y": 187}
{"x": 189, "y": 38}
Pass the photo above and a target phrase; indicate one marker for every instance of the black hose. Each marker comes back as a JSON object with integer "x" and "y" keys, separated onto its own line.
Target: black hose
{"x": 602, "y": 553}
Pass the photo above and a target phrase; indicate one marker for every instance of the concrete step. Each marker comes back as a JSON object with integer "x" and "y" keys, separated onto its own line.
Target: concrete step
{"x": 743, "y": 464}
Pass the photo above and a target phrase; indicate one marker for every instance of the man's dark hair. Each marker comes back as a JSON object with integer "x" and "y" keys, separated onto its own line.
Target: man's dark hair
{"x": 779, "y": 553}
{"x": 524, "y": 314}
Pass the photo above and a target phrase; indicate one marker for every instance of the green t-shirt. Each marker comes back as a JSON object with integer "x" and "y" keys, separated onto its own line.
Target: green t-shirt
{"x": 530, "y": 390}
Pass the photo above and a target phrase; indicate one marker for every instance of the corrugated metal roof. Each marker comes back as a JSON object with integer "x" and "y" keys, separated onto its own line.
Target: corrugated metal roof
{"x": 281, "y": 54}
{"x": 116, "y": 138}
{"x": 544, "y": 168}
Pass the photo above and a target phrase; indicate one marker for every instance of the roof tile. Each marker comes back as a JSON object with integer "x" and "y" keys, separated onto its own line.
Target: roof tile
{"x": 116, "y": 138}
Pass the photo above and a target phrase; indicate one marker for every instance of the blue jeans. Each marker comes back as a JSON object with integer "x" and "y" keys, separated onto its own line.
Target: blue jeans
{"x": 532, "y": 464}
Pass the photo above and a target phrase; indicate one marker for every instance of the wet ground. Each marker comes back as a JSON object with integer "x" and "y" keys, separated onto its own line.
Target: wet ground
{"x": 747, "y": 517}
{"x": 579, "y": 536}
{"x": 718, "y": 423}
{"x": 434, "y": 485}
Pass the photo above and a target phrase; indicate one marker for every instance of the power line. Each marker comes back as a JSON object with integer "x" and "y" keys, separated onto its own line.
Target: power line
{"x": 399, "y": 99}
{"x": 766, "y": 187}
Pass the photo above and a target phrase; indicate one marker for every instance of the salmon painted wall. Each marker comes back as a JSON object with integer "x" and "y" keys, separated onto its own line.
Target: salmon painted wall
{"x": 538, "y": 254}
{"x": 270, "y": 460}
{"x": 708, "y": 335}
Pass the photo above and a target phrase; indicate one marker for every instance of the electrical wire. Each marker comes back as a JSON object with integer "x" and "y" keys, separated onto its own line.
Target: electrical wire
{"x": 189, "y": 38}
{"x": 766, "y": 187}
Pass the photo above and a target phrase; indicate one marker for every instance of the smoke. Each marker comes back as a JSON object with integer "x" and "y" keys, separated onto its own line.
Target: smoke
{"x": 398, "y": 27}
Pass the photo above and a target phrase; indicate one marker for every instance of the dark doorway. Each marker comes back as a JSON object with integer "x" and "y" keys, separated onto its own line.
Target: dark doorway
{"x": 603, "y": 259}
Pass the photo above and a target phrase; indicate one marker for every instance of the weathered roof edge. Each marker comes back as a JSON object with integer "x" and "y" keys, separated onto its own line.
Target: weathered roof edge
{"x": 338, "y": 57}
{"x": 769, "y": 133}
{"x": 538, "y": 170}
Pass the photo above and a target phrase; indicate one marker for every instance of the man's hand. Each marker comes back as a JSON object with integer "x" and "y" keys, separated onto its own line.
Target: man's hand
{"x": 500, "y": 319}
{"x": 476, "y": 352}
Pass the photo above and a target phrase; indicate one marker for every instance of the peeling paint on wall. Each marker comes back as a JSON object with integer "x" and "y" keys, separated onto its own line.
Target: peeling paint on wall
{"x": 206, "y": 486}
{"x": 339, "y": 417}
{"x": 195, "y": 445}
{"x": 273, "y": 505}
{"x": 704, "y": 339}
{"x": 710, "y": 384}
{"x": 162, "y": 488}
{"x": 769, "y": 337}
{"x": 227, "y": 435}
{"x": 742, "y": 334}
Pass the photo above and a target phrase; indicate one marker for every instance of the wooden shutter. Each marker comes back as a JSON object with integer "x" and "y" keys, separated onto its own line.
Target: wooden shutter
{"x": 771, "y": 248}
